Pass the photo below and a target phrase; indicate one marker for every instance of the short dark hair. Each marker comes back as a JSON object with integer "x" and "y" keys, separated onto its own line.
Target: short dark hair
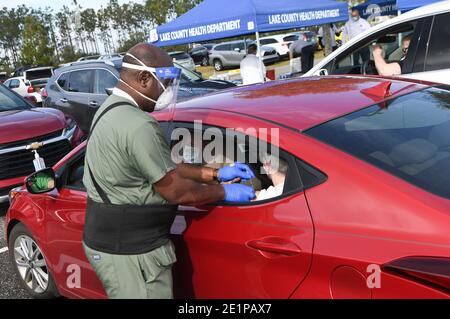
{"x": 252, "y": 48}
{"x": 355, "y": 9}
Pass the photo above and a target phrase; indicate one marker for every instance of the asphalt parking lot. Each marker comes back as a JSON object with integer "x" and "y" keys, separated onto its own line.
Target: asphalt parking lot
{"x": 9, "y": 283}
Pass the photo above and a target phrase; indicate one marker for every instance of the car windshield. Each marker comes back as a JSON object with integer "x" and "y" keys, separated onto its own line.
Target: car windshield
{"x": 409, "y": 137}
{"x": 179, "y": 55}
{"x": 10, "y": 101}
{"x": 188, "y": 75}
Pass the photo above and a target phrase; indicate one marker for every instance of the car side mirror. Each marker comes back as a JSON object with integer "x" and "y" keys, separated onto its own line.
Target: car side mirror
{"x": 109, "y": 91}
{"x": 42, "y": 181}
{"x": 322, "y": 72}
{"x": 237, "y": 49}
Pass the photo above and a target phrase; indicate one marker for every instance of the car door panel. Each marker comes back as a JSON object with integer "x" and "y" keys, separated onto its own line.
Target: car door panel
{"x": 64, "y": 227}
{"x": 257, "y": 251}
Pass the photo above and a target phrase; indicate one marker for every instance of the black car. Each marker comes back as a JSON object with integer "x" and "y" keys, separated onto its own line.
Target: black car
{"x": 78, "y": 90}
{"x": 200, "y": 55}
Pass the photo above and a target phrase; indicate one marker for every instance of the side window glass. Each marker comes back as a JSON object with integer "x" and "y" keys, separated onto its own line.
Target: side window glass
{"x": 75, "y": 175}
{"x": 80, "y": 81}
{"x": 275, "y": 170}
{"x": 14, "y": 84}
{"x": 104, "y": 80}
{"x": 62, "y": 80}
{"x": 438, "y": 48}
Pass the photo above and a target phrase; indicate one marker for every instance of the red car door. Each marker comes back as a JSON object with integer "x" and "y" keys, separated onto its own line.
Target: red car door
{"x": 64, "y": 228}
{"x": 257, "y": 250}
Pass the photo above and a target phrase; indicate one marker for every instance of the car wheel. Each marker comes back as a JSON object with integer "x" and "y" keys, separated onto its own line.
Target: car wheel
{"x": 205, "y": 61}
{"x": 29, "y": 264}
{"x": 218, "y": 66}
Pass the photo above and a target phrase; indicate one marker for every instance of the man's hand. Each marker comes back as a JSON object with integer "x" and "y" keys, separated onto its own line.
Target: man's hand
{"x": 238, "y": 193}
{"x": 377, "y": 51}
{"x": 233, "y": 171}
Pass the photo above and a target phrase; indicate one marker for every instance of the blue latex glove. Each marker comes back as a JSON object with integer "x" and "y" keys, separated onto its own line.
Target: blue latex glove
{"x": 235, "y": 170}
{"x": 238, "y": 193}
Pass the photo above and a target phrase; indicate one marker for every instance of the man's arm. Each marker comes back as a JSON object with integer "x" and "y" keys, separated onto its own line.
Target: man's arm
{"x": 383, "y": 68}
{"x": 183, "y": 191}
{"x": 196, "y": 173}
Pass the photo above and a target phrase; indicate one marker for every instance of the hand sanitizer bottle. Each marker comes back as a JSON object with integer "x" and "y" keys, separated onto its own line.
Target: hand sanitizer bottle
{"x": 38, "y": 162}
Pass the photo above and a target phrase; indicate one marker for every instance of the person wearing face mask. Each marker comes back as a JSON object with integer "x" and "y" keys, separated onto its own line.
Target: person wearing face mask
{"x": 353, "y": 27}
{"x": 394, "y": 68}
{"x": 133, "y": 185}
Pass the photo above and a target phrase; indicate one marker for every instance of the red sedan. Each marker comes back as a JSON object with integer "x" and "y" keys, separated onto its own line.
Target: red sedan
{"x": 364, "y": 211}
{"x": 21, "y": 125}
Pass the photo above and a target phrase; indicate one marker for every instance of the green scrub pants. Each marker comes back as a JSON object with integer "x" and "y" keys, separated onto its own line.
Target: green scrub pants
{"x": 146, "y": 276}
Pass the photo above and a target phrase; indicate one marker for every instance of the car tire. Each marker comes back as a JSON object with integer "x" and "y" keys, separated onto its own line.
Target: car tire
{"x": 218, "y": 65}
{"x": 30, "y": 267}
{"x": 205, "y": 61}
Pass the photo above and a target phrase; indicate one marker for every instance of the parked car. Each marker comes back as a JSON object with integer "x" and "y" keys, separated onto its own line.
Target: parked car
{"x": 110, "y": 56}
{"x": 280, "y": 42}
{"x": 79, "y": 90}
{"x": 366, "y": 194}
{"x": 30, "y": 83}
{"x": 428, "y": 53}
{"x": 90, "y": 57}
{"x": 21, "y": 124}
{"x": 24, "y": 89}
{"x": 3, "y": 77}
{"x": 200, "y": 55}
{"x": 209, "y": 46}
{"x": 184, "y": 59}
{"x": 230, "y": 54}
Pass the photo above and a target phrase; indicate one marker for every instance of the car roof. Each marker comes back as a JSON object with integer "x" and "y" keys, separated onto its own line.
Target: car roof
{"x": 301, "y": 103}
{"x": 83, "y": 66}
{"x": 425, "y": 11}
{"x": 39, "y": 68}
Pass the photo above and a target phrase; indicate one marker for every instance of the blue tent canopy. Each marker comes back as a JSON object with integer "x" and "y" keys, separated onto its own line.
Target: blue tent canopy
{"x": 213, "y": 19}
{"x": 378, "y": 7}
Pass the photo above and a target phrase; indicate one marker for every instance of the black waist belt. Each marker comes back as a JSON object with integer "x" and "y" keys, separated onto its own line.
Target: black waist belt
{"x": 124, "y": 229}
{"x": 127, "y": 229}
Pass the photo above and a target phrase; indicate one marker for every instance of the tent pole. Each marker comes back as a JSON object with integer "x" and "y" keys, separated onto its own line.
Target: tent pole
{"x": 258, "y": 43}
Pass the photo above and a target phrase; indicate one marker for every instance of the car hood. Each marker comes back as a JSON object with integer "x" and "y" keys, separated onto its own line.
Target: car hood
{"x": 25, "y": 124}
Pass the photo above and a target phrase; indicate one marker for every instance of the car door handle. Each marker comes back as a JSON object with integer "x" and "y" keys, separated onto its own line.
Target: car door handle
{"x": 93, "y": 103}
{"x": 275, "y": 245}
{"x": 64, "y": 100}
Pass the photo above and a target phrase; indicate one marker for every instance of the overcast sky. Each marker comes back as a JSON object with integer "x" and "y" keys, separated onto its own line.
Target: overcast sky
{"x": 58, "y": 4}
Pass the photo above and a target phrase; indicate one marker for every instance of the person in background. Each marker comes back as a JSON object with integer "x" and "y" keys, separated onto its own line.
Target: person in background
{"x": 252, "y": 68}
{"x": 304, "y": 50}
{"x": 334, "y": 31}
{"x": 353, "y": 27}
{"x": 276, "y": 169}
{"x": 394, "y": 68}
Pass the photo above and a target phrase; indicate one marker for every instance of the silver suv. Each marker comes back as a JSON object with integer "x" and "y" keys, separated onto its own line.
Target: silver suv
{"x": 230, "y": 54}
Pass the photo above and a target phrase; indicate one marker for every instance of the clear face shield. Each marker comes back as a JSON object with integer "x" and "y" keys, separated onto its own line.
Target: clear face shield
{"x": 167, "y": 77}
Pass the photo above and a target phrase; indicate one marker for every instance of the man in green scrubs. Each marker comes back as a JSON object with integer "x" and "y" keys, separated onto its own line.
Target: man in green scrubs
{"x": 129, "y": 170}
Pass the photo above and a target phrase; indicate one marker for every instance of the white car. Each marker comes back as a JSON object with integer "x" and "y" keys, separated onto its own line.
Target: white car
{"x": 280, "y": 43}
{"x": 24, "y": 89}
{"x": 184, "y": 59}
{"x": 428, "y": 56}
